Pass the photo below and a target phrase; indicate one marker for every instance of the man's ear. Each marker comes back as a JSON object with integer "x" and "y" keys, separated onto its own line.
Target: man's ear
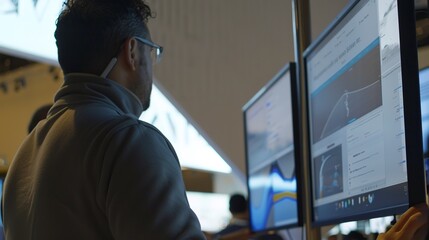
{"x": 131, "y": 53}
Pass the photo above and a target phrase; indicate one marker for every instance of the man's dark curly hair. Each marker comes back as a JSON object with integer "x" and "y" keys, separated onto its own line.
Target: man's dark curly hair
{"x": 90, "y": 32}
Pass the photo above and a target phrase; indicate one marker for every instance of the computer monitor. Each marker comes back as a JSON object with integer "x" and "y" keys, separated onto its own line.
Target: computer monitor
{"x": 272, "y": 154}
{"x": 363, "y": 111}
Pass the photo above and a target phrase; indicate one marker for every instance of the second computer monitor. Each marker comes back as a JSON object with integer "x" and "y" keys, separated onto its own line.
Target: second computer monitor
{"x": 364, "y": 114}
{"x": 272, "y": 154}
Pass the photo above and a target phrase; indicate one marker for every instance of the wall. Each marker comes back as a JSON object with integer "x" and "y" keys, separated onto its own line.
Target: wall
{"x": 424, "y": 57}
{"x": 218, "y": 54}
{"x": 37, "y": 86}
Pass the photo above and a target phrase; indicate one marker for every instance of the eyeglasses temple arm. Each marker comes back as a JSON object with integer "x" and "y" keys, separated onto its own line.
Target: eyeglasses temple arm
{"x": 109, "y": 67}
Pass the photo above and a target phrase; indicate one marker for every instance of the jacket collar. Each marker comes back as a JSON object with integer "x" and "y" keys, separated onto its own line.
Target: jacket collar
{"x": 81, "y": 87}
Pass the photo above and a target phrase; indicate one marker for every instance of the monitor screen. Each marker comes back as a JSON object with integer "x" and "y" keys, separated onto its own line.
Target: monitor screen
{"x": 272, "y": 155}
{"x": 362, "y": 116}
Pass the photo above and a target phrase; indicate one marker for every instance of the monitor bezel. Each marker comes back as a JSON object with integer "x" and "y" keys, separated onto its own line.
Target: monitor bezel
{"x": 291, "y": 68}
{"x": 412, "y": 114}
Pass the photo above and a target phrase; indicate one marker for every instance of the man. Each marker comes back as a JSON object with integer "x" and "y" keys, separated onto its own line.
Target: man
{"x": 92, "y": 169}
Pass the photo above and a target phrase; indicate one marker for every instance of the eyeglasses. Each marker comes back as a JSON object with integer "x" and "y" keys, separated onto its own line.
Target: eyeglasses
{"x": 156, "y": 50}
{"x": 155, "y": 53}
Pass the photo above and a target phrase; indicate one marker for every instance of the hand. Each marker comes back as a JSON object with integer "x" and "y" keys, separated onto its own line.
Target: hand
{"x": 412, "y": 225}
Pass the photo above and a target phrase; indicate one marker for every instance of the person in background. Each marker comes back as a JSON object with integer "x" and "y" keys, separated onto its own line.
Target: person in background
{"x": 240, "y": 216}
{"x": 38, "y": 115}
{"x": 92, "y": 169}
{"x": 332, "y": 237}
{"x": 354, "y": 235}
